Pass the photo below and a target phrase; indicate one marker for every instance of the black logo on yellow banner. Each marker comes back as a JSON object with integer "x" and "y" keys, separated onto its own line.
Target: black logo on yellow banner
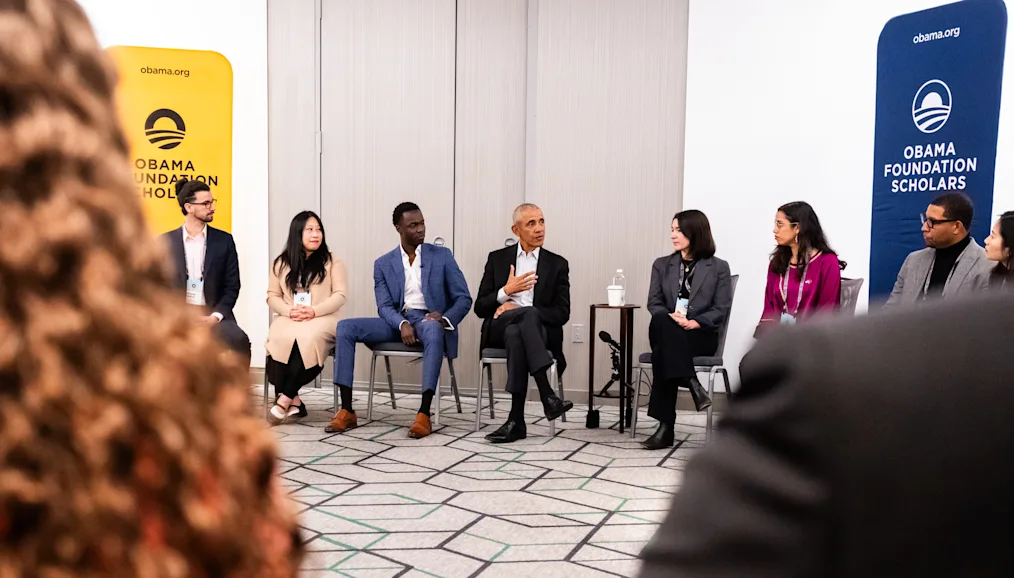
{"x": 163, "y": 138}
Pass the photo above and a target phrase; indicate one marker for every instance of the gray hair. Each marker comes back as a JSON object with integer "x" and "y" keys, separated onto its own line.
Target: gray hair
{"x": 521, "y": 209}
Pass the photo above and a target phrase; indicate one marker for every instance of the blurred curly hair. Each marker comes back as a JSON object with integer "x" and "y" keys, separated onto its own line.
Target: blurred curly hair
{"x": 126, "y": 444}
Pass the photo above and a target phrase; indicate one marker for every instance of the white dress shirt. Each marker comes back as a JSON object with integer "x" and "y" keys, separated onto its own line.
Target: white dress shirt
{"x": 526, "y": 262}
{"x": 413, "y": 281}
{"x": 195, "y": 249}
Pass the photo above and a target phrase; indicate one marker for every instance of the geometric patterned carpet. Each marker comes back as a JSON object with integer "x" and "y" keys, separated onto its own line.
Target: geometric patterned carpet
{"x": 374, "y": 503}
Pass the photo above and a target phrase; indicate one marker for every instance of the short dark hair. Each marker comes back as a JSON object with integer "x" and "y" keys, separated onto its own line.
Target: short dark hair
{"x": 697, "y": 229}
{"x": 186, "y": 192}
{"x": 403, "y": 208}
{"x": 956, "y": 206}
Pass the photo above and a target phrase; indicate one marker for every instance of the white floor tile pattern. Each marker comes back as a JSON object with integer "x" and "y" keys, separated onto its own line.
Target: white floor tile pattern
{"x": 374, "y": 503}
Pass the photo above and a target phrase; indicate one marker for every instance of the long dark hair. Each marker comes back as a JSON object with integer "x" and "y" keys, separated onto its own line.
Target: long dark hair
{"x": 303, "y": 271}
{"x": 811, "y": 237}
{"x": 695, "y": 227}
{"x": 1003, "y": 269}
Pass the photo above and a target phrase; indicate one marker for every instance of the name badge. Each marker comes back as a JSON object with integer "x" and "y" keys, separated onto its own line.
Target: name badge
{"x": 787, "y": 319}
{"x": 302, "y": 299}
{"x": 682, "y": 306}
{"x": 195, "y": 292}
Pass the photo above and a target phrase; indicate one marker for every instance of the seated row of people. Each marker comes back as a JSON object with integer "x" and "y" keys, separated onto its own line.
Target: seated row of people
{"x": 524, "y": 299}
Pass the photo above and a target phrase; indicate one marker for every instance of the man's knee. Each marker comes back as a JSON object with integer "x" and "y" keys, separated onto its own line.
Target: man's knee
{"x": 531, "y": 315}
{"x": 431, "y": 332}
{"x": 512, "y": 334}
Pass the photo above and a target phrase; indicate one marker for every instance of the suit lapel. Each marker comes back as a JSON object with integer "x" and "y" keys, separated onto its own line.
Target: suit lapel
{"x": 398, "y": 271}
{"x": 541, "y": 271}
{"x": 179, "y": 255}
{"x": 966, "y": 261}
{"x": 210, "y": 253}
{"x": 700, "y": 276}
{"x": 425, "y": 267}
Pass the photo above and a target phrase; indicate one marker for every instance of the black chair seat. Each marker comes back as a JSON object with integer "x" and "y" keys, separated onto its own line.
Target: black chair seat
{"x": 644, "y": 358}
{"x": 492, "y": 353}
{"x": 707, "y": 361}
{"x": 396, "y": 346}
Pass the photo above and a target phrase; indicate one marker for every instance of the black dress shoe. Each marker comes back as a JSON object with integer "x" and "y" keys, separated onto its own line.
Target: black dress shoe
{"x": 555, "y": 407}
{"x": 664, "y": 437}
{"x": 700, "y": 395}
{"x": 511, "y": 431}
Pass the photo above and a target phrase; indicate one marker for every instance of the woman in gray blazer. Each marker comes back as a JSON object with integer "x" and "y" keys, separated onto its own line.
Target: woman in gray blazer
{"x": 689, "y": 300}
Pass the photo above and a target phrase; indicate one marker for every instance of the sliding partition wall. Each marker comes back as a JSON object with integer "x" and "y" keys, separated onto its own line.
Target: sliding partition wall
{"x": 469, "y": 108}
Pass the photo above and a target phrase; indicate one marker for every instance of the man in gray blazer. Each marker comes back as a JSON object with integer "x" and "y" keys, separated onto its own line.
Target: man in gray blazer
{"x": 820, "y": 468}
{"x": 952, "y": 264}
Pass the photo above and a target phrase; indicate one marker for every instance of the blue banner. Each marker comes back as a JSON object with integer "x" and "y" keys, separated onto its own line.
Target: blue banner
{"x": 939, "y": 75}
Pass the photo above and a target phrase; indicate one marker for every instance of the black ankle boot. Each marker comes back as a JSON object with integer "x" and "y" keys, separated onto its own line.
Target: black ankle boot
{"x": 700, "y": 395}
{"x": 663, "y": 437}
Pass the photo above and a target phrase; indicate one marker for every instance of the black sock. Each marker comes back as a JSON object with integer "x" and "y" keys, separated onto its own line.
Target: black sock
{"x": 517, "y": 408}
{"x": 346, "y": 393}
{"x": 542, "y": 380}
{"x": 424, "y": 407}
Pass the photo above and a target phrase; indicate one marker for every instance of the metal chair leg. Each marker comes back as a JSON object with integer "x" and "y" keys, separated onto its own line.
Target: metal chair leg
{"x": 369, "y": 391}
{"x": 559, "y": 387}
{"x": 390, "y": 382}
{"x": 454, "y": 384}
{"x": 711, "y": 394}
{"x": 489, "y": 383}
{"x": 266, "y": 358}
{"x": 552, "y": 385}
{"x": 637, "y": 399}
{"x": 436, "y": 398}
{"x": 478, "y": 400}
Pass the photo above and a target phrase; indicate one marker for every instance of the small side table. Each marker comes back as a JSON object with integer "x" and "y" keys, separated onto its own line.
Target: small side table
{"x": 626, "y": 358}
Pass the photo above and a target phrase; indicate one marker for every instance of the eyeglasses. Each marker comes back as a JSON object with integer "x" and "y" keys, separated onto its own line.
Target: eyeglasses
{"x": 206, "y": 204}
{"x": 933, "y": 222}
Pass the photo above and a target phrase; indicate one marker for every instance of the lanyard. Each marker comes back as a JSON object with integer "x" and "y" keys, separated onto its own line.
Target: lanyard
{"x": 784, "y": 287}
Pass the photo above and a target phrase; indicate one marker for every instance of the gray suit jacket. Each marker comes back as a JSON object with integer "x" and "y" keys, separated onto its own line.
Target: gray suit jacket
{"x": 970, "y": 275}
{"x": 710, "y": 289}
{"x": 820, "y": 468}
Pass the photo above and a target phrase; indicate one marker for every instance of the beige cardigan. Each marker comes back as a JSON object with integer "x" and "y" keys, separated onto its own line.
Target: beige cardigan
{"x": 316, "y": 336}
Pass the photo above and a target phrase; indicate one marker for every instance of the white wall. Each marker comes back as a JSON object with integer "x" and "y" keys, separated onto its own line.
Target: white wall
{"x": 238, "y": 30}
{"x": 781, "y": 100}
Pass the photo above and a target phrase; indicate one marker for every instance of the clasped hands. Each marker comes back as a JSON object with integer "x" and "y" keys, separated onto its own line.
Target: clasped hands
{"x": 683, "y": 322}
{"x": 408, "y": 332}
{"x": 302, "y": 313}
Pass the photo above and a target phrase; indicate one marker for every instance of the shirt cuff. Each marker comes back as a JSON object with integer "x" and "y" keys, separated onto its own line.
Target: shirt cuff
{"x": 218, "y": 316}
{"x": 446, "y": 324}
{"x": 403, "y": 321}
{"x": 502, "y": 297}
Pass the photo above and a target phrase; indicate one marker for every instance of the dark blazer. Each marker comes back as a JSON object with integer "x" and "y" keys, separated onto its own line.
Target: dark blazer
{"x": 443, "y": 286}
{"x": 552, "y": 294}
{"x": 710, "y": 289}
{"x": 221, "y": 269}
{"x": 860, "y": 448}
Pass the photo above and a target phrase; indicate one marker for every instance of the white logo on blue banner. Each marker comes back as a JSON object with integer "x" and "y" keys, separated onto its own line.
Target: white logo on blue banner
{"x": 939, "y": 82}
{"x": 932, "y": 106}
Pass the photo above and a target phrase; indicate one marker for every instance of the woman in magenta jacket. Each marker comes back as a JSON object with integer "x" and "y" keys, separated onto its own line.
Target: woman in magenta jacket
{"x": 804, "y": 277}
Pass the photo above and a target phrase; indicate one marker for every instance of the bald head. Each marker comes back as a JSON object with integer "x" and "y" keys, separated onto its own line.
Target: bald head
{"x": 529, "y": 226}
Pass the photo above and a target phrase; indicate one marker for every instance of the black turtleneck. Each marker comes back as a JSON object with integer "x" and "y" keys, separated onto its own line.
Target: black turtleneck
{"x": 943, "y": 264}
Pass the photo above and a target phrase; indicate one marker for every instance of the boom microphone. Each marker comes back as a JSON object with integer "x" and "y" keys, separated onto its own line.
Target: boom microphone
{"x": 608, "y": 339}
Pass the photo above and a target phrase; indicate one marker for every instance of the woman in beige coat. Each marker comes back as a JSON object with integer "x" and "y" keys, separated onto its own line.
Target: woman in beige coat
{"x": 306, "y": 292}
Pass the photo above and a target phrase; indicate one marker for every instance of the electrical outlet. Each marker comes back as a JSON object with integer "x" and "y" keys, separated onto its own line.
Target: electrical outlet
{"x": 578, "y": 332}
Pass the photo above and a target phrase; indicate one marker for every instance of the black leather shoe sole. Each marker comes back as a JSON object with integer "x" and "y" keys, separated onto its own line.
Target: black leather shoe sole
{"x": 655, "y": 444}
{"x": 505, "y": 439}
{"x": 567, "y": 406}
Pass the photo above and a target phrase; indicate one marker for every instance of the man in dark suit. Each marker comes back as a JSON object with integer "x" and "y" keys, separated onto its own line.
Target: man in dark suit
{"x": 858, "y": 449}
{"x": 421, "y": 297}
{"x": 206, "y": 264}
{"x": 524, "y": 298}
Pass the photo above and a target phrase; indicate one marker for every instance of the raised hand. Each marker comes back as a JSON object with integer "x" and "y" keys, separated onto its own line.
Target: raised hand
{"x": 519, "y": 284}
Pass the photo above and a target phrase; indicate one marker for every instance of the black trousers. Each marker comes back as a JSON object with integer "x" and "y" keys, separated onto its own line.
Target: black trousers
{"x": 229, "y": 333}
{"x": 672, "y": 361}
{"x": 289, "y": 377}
{"x": 521, "y": 332}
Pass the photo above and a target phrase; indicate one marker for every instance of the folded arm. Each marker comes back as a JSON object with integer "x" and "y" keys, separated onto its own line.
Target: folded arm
{"x": 339, "y": 288}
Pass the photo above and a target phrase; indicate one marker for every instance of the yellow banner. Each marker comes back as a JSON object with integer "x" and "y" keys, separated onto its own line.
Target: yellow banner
{"x": 176, "y": 109}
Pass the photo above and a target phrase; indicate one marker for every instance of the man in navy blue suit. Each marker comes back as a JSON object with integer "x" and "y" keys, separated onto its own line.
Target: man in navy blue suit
{"x": 421, "y": 298}
{"x": 207, "y": 265}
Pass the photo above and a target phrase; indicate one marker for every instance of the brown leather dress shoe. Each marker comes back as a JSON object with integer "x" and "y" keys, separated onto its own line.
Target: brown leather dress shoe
{"x": 421, "y": 428}
{"x": 342, "y": 421}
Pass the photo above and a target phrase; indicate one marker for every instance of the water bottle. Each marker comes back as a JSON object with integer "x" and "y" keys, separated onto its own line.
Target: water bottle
{"x": 618, "y": 289}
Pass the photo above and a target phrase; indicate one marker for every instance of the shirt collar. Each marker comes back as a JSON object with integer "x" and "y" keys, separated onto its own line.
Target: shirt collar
{"x": 202, "y": 234}
{"x": 404, "y": 254}
{"x": 535, "y": 252}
